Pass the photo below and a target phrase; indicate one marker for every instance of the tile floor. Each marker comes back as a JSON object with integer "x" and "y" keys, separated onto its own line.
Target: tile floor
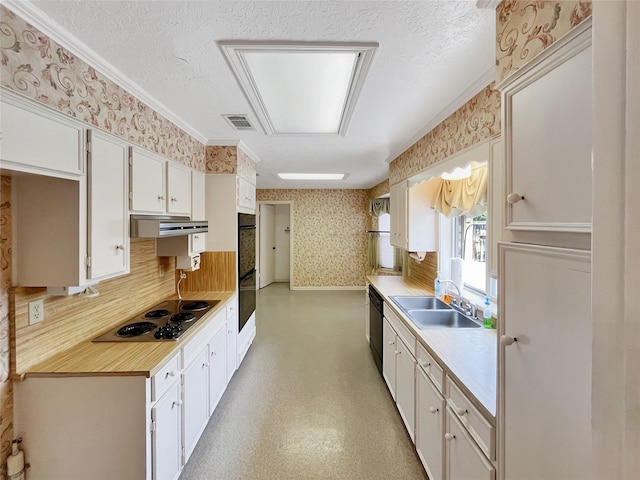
{"x": 307, "y": 402}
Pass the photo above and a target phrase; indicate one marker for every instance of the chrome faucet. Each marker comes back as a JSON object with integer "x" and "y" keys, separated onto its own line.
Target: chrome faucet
{"x": 457, "y": 290}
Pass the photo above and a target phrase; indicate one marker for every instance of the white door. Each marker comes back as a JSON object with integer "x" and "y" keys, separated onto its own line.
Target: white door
{"x": 267, "y": 245}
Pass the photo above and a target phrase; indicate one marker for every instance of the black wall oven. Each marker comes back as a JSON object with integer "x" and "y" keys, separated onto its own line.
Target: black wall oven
{"x": 246, "y": 267}
{"x": 375, "y": 326}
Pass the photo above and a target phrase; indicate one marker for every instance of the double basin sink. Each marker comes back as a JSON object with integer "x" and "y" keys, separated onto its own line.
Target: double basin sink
{"x": 431, "y": 312}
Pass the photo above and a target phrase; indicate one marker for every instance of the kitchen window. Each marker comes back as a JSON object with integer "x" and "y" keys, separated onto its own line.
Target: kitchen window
{"x": 470, "y": 246}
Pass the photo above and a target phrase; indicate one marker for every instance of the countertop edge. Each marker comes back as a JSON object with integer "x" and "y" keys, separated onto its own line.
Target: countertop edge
{"x": 420, "y": 288}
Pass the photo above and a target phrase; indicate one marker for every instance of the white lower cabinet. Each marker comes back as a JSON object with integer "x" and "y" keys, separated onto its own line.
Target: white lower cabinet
{"x": 464, "y": 460}
{"x": 430, "y": 421}
{"x": 217, "y": 367}
{"x": 196, "y": 405}
{"x": 389, "y": 357}
{"x": 143, "y": 428}
{"x": 166, "y": 438}
{"x": 232, "y": 338}
{"x": 406, "y": 386}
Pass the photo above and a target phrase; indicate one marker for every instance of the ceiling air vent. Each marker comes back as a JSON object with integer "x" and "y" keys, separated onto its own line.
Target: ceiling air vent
{"x": 239, "y": 122}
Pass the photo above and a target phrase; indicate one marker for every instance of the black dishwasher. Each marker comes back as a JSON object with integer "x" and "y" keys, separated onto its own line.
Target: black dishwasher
{"x": 375, "y": 326}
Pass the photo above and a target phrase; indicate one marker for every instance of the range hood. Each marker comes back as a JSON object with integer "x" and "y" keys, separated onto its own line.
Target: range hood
{"x": 159, "y": 226}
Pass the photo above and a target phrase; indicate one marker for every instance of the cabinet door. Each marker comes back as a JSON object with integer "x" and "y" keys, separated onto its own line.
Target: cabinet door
{"x": 217, "y": 368}
{"x": 195, "y": 408}
{"x": 398, "y": 206}
{"x": 421, "y": 220}
{"x": 246, "y": 194}
{"x": 406, "y": 386}
{"x": 389, "y": 349}
{"x": 197, "y": 195}
{"x": 430, "y": 415}
{"x": 197, "y": 243}
{"x": 36, "y": 139}
{"x": 167, "y": 435}
{"x": 544, "y": 362}
{"x": 178, "y": 189}
{"x": 147, "y": 178}
{"x": 464, "y": 460}
{"x": 108, "y": 239}
{"x": 232, "y": 338}
{"x": 548, "y": 117}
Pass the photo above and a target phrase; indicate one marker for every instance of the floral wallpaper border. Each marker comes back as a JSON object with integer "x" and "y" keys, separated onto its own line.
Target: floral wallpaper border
{"x": 230, "y": 160}
{"x": 476, "y": 121}
{"x": 6, "y": 386}
{"x": 37, "y": 67}
{"x": 526, "y": 28}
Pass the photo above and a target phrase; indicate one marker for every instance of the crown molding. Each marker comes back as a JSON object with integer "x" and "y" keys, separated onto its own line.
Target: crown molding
{"x": 222, "y": 143}
{"x": 36, "y": 17}
{"x": 481, "y": 82}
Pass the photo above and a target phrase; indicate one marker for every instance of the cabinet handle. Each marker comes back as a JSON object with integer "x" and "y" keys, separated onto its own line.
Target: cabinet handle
{"x": 230, "y": 331}
{"x": 213, "y": 353}
{"x": 120, "y": 247}
{"x": 204, "y": 365}
{"x": 170, "y": 374}
{"x": 514, "y": 198}
{"x": 449, "y": 436}
{"x": 174, "y": 199}
{"x": 176, "y": 403}
{"x": 433, "y": 410}
{"x": 461, "y": 411}
{"x": 160, "y": 197}
{"x": 506, "y": 340}
{"x": 424, "y": 364}
{"x": 391, "y": 342}
{"x": 398, "y": 352}
{"x": 196, "y": 237}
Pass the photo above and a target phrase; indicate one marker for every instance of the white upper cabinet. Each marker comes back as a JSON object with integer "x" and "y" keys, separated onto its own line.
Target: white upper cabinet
{"x": 414, "y": 224}
{"x": 547, "y": 118}
{"x": 148, "y": 182}
{"x": 246, "y": 194}
{"x": 36, "y": 139}
{"x": 178, "y": 189}
{"x": 107, "y": 203}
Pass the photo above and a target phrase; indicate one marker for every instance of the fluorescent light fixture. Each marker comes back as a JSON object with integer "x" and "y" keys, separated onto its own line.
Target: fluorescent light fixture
{"x": 312, "y": 176}
{"x": 301, "y": 88}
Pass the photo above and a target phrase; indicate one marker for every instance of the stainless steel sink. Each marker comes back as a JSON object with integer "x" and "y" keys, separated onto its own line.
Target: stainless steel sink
{"x": 440, "y": 319}
{"x": 419, "y": 303}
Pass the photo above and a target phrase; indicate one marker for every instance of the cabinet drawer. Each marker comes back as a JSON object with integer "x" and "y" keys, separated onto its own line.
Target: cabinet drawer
{"x": 479, "y": 428}
{"x": 432, "y": 368}
{"x": 400, "y": 328}
{"x": 167, "y": 375}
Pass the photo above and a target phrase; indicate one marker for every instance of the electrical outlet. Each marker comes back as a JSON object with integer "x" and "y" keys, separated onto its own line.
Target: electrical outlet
{"x": 160, "y": 270}
{"x": 36, "y": 311}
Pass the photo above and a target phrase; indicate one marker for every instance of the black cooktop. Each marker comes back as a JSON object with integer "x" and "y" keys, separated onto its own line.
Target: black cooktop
{"x": 167, "y": 321}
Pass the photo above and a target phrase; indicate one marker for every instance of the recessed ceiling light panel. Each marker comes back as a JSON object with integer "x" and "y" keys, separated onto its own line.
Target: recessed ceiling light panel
{"x": 301, "y": 88}
{"x": 312, "y": 176}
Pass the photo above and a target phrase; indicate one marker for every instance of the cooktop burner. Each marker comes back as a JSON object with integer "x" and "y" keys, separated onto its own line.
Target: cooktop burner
{"x": 135, "y": 329}
{"x": 168, "y": 320}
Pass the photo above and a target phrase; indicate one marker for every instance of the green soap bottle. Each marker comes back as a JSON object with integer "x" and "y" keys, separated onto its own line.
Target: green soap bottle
{"x": 487, "y": 313}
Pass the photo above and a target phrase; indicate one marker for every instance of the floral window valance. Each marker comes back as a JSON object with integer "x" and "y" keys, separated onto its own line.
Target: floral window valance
{"x": 378, "y": 206}
{"x": 468, "y": 196}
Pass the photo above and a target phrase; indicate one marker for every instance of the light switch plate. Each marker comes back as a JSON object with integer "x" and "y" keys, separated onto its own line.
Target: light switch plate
{"x": 36, "y": 311}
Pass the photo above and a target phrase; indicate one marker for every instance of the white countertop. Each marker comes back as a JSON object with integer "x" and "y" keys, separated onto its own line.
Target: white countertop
{"x": 468, "y": 355}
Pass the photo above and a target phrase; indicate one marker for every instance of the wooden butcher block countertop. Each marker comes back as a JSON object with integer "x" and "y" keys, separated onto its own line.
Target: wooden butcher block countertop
{"x": 469, "y": 355}
{"x": 124, "y": 358}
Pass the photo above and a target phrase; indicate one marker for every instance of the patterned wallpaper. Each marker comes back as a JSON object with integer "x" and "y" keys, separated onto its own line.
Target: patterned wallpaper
{"x": 222, "y": 159}
{"x": 230, "y": 160}
{"x": 329, "y": 235}
{"x": 526, "y": 27}
{"x": 6, "y": 387}
{"x": 476, "y": 121}
{"x": 37, "y": 67}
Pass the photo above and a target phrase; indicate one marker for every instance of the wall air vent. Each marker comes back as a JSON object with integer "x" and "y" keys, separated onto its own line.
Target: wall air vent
{"x": 239, "y": 122}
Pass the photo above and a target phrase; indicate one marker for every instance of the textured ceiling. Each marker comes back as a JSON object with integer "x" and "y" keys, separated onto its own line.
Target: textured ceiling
{"x": 430, "y": 54}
